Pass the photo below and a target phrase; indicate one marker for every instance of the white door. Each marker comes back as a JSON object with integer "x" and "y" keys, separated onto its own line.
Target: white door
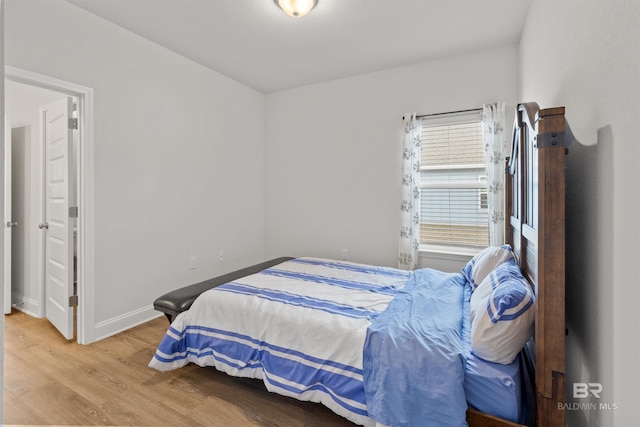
{"x": 57, "y": 224}
{"x": 8, "y": 221}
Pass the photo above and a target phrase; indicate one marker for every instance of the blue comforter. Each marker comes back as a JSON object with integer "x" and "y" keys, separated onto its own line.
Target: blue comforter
{"x": 414, "y": 359}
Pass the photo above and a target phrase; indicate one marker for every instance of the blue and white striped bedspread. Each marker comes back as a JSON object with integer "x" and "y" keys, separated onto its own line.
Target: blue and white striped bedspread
{"x": 252, "y": 327}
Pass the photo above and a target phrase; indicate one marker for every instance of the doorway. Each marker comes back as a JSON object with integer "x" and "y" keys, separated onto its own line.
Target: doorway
{"x": 33, "y": 114}
{"x": 33, "y": 297}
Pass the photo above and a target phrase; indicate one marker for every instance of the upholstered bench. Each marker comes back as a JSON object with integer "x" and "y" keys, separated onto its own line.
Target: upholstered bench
{"x": 175, "y": 302}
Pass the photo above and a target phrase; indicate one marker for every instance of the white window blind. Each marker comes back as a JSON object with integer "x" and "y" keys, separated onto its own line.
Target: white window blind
{"x": 453, "y": 209}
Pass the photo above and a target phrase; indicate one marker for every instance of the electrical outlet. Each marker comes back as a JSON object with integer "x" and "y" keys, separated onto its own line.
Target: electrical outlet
{"x": 220, "y": 256}
{"x": 193, "y": 263}
{"x": 345, "y": 254}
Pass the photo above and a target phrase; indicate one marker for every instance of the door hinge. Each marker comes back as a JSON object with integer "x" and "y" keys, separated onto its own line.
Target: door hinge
{"x": 73, "y": 301}
{"x": 73, "y": 212}
{"x": 73, "y": 123}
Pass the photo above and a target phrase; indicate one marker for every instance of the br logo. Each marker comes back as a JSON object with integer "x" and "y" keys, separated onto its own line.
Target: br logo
{"x": 583, "y": 390}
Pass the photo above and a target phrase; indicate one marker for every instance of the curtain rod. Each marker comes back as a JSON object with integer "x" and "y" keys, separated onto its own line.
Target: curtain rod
{"x": 448, "y": 112}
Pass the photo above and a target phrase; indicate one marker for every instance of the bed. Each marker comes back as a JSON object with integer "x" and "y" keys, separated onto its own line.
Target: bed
{"x": 382, "y": 346}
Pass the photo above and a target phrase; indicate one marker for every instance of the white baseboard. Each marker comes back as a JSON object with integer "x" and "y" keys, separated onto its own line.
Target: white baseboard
{"x": 26, "y": 305}
{"x": 121, "y": 323}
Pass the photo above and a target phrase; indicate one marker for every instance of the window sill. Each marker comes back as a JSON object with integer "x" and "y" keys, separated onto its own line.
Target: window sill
{"x": 448, "y": 252}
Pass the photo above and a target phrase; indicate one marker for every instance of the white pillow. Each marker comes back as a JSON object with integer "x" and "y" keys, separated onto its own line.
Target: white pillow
{"x": 502, "y": 314}
{"x": 484, "y": 262}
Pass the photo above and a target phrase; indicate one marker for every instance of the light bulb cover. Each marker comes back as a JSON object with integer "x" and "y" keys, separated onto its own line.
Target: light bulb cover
{"x": 296, "y": 8}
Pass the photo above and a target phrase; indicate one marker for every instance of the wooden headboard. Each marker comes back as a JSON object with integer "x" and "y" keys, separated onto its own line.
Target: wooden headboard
{"x": 535, "y": 228}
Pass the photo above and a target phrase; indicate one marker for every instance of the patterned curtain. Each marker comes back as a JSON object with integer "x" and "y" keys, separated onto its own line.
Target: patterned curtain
{"x": 410, "y": 226}
{"x": 495, "y": 143}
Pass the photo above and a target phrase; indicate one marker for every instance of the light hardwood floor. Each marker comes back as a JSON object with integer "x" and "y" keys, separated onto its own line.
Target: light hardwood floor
{"x": 51, "y": 381}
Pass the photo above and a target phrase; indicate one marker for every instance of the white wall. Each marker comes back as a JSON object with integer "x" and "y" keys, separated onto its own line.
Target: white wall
{"x": 178, "y": 155}
{"x": 22, "y": 103}
{"x": 586, "y": 56}
{"x": 333, "y": 151}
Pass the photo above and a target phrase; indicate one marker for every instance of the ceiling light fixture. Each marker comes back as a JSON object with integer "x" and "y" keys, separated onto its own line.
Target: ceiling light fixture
{"x": 296, "y": 8}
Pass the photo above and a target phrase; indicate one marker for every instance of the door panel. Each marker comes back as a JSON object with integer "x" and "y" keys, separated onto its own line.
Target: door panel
{"x": 57, "y": 227}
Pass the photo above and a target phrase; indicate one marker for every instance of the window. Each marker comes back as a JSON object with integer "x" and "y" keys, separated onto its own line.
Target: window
{"x": 453, "y": 181}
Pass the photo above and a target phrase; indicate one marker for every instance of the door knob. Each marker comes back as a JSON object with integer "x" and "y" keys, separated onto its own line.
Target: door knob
{"x": 43, "y": 225}
{"x": 12, "y": 224}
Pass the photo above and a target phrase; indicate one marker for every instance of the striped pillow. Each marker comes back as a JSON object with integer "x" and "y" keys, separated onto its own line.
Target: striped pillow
{"x": 484, "y": 262}
{"x": 502, "y": 314}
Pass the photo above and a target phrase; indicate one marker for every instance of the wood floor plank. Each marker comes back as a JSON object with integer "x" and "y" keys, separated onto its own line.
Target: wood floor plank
{"x": 20, "y": 412}
{"x": 49, "y": 380}
{"x": 227, "y": 414}
{"x": 22, "y": 378}
{"x": 58, "y": 404}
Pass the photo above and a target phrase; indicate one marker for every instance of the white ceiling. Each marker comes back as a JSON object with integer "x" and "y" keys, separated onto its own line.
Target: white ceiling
{"x": 255, "y": 43}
